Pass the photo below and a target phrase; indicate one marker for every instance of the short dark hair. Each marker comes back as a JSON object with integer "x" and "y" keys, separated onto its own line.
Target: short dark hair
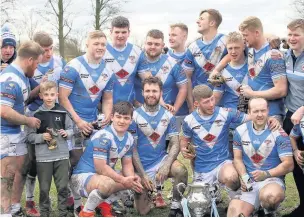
{"x": 156, "y": 34}
{"x": 120, "y": 22}
{"x": 123, "y": 108}
{"x": 152, "y": 80}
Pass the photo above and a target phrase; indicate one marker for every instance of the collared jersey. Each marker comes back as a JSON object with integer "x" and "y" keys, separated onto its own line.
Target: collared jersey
{"x": 202, "y": 57}
{"x": 262, "y": 73}
{"x": 105, "y": 145}
{"x": 124, "y": 66}
{"x": 86, "y": 85}
{"x": 152, "y": 130}
{"x": 261, "y": 150}
{"x": 211, "y": 136}
{"x": 52, "y": 70}
{"x": 15, "y": 89}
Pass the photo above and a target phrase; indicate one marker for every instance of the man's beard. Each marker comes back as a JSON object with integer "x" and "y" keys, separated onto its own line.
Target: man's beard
{"x": 153, "y": 55}
{"x": 151, "y": 107}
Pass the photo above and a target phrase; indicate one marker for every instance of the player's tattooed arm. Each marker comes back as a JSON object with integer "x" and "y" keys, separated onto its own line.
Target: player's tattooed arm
{"x": 147, "y": 183}
{"x": 164, "y": 171}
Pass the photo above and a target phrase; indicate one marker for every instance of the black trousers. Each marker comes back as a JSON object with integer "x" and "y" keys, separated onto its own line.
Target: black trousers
{"x": 297, "y": 172}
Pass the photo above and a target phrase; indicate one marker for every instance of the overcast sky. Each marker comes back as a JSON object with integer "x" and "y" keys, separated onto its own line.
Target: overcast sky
{"x": 147, "y": 14}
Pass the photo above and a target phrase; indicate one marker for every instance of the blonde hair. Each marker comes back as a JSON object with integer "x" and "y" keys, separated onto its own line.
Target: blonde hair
{"x": 214, "y": 15}
{"x": 30, "y": 49}
{"x": 234, "y": 37}
{"x": 251, "y": 23}
{"x": 202, "y": 91}
{"x": 47, "y": 85}
{"x": 297, "y": 23}
{"x": 96, "y": 34}
{"x": 182, "y": 26}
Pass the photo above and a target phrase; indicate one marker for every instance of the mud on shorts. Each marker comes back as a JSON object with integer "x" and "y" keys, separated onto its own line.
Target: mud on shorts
{"x": 212, "y": 176}
{"x": 252, "y": 197}
{"x": 13, "y": 145}
{"x": 153, "y": 171}
{"x": 79, "y": 183}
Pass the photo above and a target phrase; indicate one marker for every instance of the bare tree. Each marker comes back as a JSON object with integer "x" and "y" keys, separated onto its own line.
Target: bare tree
{"x": 6, "y": 6}
{"x": 58, "y": 15}
{"x": 105, "y": 10}
{"x": 29, "y": 23}
{"x": 299, "y": 7}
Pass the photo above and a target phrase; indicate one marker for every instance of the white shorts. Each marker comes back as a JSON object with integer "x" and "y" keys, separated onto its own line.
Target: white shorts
{"x": 13, "y": 145}
{"x": 79, "y": 182}
{"x": 212, "y": 176}
{"x": 252, "y": 197}
{"x": 153, "y": 171}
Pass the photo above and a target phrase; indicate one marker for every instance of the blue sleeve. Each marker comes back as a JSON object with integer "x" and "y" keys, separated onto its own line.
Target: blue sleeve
{"x": 277, "y": 68}
{"x": 236, "y": 117}
{"x": 283, "y": 144}
{"x": 33, "y": 83}
{"x": 296, "y": 131}
{"x": 172, "y": 130}
{"x": 68, "y": 77}
{"x": 188, "y": 61}
{"x": 220, "y": 88}
{"x": 101, "y": 148}
{"x": 110, "y": 84}
{"x": 225, "y": 52}
{"x": 237, "y": 142}
{"x": 9, "y": 93}
{"x": 179, "y": 75}
{"x": 187, "y": 131}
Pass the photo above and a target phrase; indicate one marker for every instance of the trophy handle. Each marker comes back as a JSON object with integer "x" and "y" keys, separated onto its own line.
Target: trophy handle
{"x": 178, "y": 186}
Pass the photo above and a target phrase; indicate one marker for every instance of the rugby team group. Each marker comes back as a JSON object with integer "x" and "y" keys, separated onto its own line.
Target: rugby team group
{"x": 230, "y": 104}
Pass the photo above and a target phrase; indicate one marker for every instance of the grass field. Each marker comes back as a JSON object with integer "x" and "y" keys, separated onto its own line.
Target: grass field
{"x": 291, "y": 201}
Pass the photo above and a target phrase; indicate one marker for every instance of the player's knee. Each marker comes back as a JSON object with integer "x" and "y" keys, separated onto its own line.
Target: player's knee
{"x": 271, "y": 201}
{"x": 232, "y": 182}
{"x": 180, "y": 172}
{"x": 106, "y": 186}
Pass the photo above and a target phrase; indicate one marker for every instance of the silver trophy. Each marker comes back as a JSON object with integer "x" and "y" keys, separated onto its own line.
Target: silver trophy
{"x": 198, "y": 198}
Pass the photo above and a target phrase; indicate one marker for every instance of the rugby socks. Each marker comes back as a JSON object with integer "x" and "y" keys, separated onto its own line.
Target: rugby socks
{"x": 94, "y": 199}
{"x": 15, "y": 208}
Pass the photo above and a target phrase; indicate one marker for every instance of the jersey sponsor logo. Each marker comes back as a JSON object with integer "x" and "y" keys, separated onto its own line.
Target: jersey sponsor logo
{"x": 245, "y": 143}
{"x": 127, "y": 147}
{"x": 84, "y": 76}
{"x": 24, "y": 91}
{"x": 218, "y": 122}
{"x": 132, "y": 131}
{"x": 197, "y": 54}
{"x": 7, "y": 95}
{"x": 100, "y": 149}
{"x": 10, "y": 86}
{"x": 104, "y": 77}
{"x": 164, "y": 122}
{"x": 57, "y": 118}
{"x": 235, "y": 143}
{"x": 132, "y": 59}
{"x": 37, "y": 77}
{"x": 121, "y": 58}
{"x": 109, "y": 60}
{"x": 256, "y": 141}
{"x": 114, "y": 149}
{"x": 143, "y": 124}
{"x": 66, "y": 80}
{"x": 165, "y": 69}
{"x": 197, "y": 127}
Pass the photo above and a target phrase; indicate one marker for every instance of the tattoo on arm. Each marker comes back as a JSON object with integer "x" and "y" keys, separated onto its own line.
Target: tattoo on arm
{"x": 173, "y": 149}
{"x": 136, "y": 161}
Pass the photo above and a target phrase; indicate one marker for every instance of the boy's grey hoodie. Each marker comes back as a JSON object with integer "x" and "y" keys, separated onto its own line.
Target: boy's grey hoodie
{"x": 56, "y": 118}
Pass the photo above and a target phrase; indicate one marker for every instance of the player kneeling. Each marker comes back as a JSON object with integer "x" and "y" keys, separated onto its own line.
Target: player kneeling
{"x": 94, "y": 176}
{"x": 262, "y": 158}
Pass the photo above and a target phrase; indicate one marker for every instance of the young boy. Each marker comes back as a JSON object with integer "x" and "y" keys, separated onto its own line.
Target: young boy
{"x": 51, "y": 148}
